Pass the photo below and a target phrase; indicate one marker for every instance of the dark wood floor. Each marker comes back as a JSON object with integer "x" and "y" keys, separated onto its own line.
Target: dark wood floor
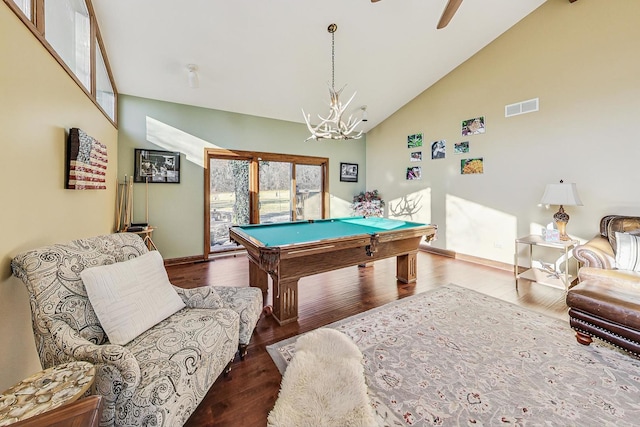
{"x": 245, "y": 397}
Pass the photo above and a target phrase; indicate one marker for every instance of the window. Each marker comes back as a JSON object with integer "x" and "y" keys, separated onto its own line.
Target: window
{"x": 25, "y": 7}
{"x": 104, "y": 89}
{"x": 248, "y": 187}
{"x": 69, "y": 31}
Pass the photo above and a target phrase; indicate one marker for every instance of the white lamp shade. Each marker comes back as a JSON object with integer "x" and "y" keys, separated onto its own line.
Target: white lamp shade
{"x": 561, "y": 194}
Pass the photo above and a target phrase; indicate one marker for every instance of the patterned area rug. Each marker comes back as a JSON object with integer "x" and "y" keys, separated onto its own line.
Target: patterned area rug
{"x": 453, "y": 356}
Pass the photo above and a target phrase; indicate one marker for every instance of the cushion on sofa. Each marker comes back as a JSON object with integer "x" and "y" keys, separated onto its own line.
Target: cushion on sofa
{"x": 622, "y": 224}
{"x": 130, "y": 297}
{"x": 627, "y": 251}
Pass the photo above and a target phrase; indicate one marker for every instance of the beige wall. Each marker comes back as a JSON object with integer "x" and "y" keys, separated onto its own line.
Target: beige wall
{"x": 177, "y": 210}
{"x": 579, "y": 59}
{"x": 39, "y": 102}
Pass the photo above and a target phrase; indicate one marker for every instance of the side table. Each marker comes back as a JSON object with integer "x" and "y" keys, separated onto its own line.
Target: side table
{"x": 45, "y": 390}
{"x": 546, "y": 275}
{"x": 146, "y": 235}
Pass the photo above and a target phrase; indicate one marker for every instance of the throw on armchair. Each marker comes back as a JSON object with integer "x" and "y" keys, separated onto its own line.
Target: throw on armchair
{"x": 157, "y": 377}
{"x": 606, "y": 302}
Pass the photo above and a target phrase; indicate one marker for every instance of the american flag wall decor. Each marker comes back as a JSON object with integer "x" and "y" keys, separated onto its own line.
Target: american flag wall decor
{"x": 87, "y": 162}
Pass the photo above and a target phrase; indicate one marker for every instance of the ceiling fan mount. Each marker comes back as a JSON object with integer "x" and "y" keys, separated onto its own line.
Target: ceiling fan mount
{"x": 449, "y": 10}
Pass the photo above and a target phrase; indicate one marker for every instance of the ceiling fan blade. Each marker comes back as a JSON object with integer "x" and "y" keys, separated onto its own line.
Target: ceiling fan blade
{"x": 449, "y": 10}
{"x": 376, "y": 1}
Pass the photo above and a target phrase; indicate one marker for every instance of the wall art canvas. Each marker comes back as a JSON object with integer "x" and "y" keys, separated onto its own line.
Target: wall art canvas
{"x": 414, "y": 172}
{"x": 473, "y": 126}
{"x": 348, "y": 172}
{"x": 438, "y": 149}
{"x": 86, "y": 162}
{"x": 154, "y": 166}
{"x": 461, "y": 147}
{"x": 416, "y": 156}
{"x": 472, "y": 166}
{"x": 414, "y": 141}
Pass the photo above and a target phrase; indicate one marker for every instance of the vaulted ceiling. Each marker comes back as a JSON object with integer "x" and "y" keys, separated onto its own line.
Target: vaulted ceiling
{"x": 273, "y": 58}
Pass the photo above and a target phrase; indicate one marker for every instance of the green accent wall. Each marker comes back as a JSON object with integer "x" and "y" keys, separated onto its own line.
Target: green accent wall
{"x": 177, "y": 210}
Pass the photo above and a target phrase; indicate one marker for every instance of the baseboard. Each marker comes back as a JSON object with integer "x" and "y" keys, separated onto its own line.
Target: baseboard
{"x": 467, "y": 258}
{"x": 437, "y": 251}
{"x": 202, "y": 258}
{"x": 185, "y": 260}
{"x": 485, "y": 262}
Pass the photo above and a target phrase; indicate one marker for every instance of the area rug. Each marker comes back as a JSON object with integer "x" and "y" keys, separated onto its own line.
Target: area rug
{"x": 453, "y": 356}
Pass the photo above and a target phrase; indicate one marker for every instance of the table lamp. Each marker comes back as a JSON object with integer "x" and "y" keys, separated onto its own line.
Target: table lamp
{"x": 564, "y": 195}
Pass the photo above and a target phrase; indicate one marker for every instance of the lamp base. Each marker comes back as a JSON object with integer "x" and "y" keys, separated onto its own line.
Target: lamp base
{"x": 562, "y": 218}
{"x": 562, "y": 230}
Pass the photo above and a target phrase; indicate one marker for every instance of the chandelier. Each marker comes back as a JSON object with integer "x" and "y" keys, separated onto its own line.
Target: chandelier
{"x": 332, "y": 126}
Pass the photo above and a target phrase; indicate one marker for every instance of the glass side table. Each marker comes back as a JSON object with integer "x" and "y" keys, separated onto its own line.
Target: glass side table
{"x": 45, "y": 390}
{"x": 547, "y": 274}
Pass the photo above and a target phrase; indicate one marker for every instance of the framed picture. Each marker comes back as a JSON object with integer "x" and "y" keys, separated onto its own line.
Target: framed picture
{"x": 438, "y": 149}
{"x": 472, "y": 166}
{"x": 460, "y": 148}
{"x": 416, "y": 156}
{"x": 349, "y": 172}
{"x": 473, "y": 126}
{"x": 414, "y": 172}
{"x": 155, "y": 166}
{"x": 414, "y": 141}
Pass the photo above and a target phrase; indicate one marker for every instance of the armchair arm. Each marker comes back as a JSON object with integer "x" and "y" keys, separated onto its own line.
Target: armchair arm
{"x": 200, "y": 297}
{"x": 620, "y": 279}
{"x": 71, "y": 343}
{"x": 597, "y": 253}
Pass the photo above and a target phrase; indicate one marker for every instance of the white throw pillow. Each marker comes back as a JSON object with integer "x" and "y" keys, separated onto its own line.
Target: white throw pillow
{"x": 627, "y": 251}
{"x": 130, "y": 297}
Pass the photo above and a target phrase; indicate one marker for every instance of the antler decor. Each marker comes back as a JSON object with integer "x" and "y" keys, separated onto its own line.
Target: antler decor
{"x": 405, "y": 207}
{"x": 332, "y": 126}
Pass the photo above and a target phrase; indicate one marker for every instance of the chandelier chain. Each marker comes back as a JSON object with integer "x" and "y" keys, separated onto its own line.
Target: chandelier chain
{"x": 333, "y": 60}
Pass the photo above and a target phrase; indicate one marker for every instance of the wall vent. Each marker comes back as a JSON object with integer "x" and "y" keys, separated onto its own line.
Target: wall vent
{"x": 523, "y": 107}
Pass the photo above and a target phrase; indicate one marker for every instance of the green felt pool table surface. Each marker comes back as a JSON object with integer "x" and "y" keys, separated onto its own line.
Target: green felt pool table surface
{"x": 289, "y": 233}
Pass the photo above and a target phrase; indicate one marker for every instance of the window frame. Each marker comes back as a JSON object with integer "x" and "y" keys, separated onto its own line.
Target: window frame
{"x": 254, "y": 158}
{"x": 36, "y": 24}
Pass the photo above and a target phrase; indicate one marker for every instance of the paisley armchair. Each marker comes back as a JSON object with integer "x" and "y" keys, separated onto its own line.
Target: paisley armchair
{"x": 160, "y": 376}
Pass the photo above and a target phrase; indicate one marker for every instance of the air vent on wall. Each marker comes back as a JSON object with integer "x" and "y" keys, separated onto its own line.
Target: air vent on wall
{"x": 523, "y": 107}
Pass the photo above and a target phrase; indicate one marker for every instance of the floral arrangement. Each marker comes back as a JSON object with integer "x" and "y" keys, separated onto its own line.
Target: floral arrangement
{"x": 368, "y": 203}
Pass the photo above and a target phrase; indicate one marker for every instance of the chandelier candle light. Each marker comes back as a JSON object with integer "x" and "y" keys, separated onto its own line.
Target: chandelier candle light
{"x": 564, "y": 195}
{"x": 332, "y": 126}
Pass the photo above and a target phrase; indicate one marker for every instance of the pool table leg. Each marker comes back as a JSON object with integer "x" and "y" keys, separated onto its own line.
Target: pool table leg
{"x": 285, "y": 300}
{"x": 407, "y": 267}
{"x": 258, "y": 277}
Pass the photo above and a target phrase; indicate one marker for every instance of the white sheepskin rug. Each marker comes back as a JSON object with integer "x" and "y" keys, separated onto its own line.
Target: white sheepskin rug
{"x": 323, "y": 385}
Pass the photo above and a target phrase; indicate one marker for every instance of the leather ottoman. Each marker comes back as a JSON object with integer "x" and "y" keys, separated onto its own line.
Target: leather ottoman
{"x": 602, "y": 310}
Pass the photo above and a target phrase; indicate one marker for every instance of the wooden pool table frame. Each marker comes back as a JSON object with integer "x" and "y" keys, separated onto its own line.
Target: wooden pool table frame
{"x": 286, "y": 264}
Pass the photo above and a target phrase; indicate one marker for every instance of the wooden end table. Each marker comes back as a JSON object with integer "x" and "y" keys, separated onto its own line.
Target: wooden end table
{"x": 45, "y": 390}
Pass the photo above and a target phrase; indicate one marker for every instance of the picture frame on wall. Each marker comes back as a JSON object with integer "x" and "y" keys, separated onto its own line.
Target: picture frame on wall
{"x": 155, "y": 166}
{"x": 461, "y": 147}
{"x": 472, "y": 166}
{"x": 416, "y": 156}
{"x": 414, "y": 141}
{"x": 413, "y": 173}
{"x": 474, "y": 126}
{"x": 349, "y": 172}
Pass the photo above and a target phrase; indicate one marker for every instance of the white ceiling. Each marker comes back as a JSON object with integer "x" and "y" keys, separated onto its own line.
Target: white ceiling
{"x": 270, "y": 58}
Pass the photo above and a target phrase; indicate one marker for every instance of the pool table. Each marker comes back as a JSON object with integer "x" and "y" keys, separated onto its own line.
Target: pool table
{"x": 291, "y": 250}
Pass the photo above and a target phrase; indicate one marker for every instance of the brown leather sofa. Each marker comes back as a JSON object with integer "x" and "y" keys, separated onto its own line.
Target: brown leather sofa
{"x": 606, "y": 302}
